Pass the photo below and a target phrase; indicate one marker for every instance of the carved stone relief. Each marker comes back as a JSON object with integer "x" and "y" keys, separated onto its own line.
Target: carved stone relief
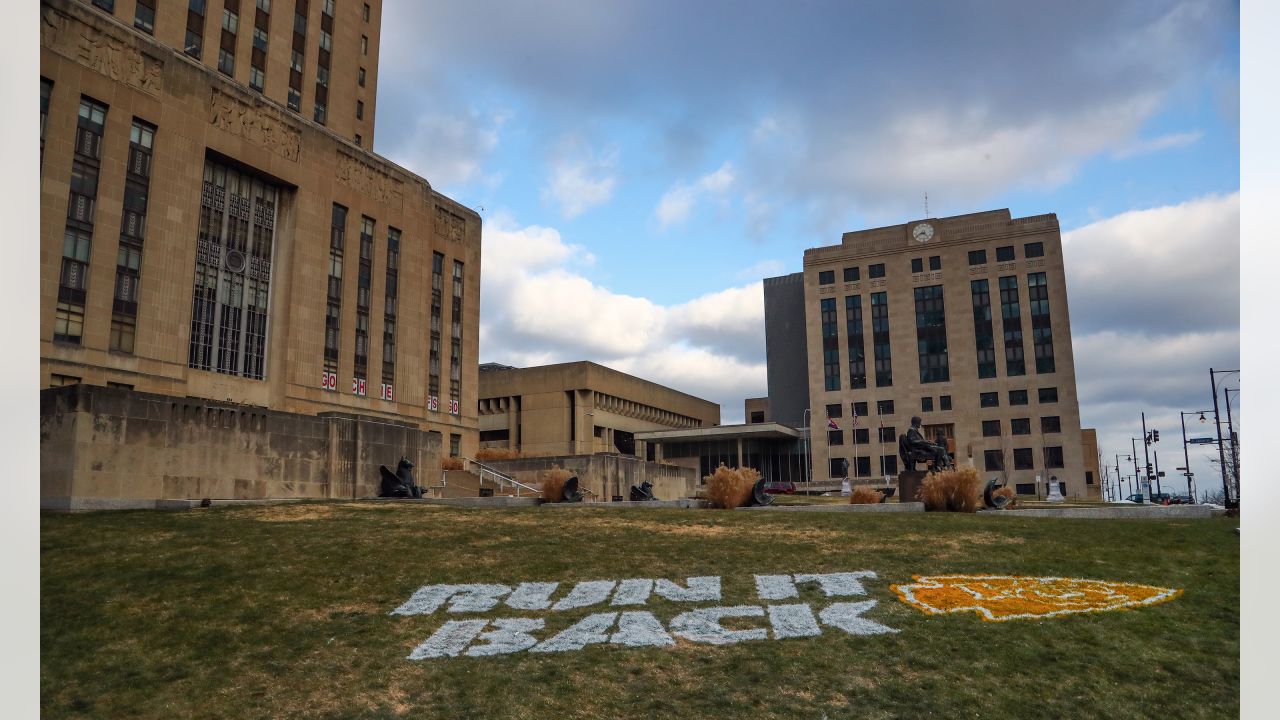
{"x": 254, "y": 124}
{"x": 100, "y": 52}
{"x": 365, "y": 178}
{"x": 449, "y": 225}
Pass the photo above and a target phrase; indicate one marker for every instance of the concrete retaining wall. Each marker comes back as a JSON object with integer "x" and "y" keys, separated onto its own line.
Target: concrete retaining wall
{"x": 606, "y": 474}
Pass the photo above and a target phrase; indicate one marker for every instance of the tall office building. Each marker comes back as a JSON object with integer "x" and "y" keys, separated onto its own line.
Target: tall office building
{"x": 215, "y": 229}
{"x": 962, "y": 321}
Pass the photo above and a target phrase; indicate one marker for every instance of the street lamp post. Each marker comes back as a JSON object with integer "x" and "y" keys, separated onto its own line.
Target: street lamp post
{"x": 1186, "y": 457}
{"x": 1217, "y": 421}
{"x": 806, "y": 417}
{"x": 1231, "y": 438}
{"x": 1134, "y": 443}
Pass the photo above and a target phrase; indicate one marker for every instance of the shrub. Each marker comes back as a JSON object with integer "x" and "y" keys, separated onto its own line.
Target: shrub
{"x": 451, "y": 463}
{"x": 1006, "y": 492}
{"x": 553, "y": 481}
{"x": 730, "y": 487}
{"x": 863, "y": 495}
{"x": 955, "y": 490}
{"x": 497, "y": 454}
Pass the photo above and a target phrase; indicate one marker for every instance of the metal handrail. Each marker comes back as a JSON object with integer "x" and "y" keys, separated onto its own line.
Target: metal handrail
{"x": 500, "y": 478}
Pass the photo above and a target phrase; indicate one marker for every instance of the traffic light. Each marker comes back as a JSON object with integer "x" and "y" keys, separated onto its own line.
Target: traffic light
{"x": 1155, "y": 436}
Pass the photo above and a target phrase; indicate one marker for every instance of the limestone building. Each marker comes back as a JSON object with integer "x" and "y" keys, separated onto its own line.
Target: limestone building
{"x": 215, "y": 228}
{"x": 580, "y": 408}
{"x": 961, "y": 320}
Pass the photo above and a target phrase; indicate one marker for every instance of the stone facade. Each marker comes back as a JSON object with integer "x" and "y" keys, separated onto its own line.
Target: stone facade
{"x": 210, "y": 132}
{"x": 580, "y": 408}
{"x": 103, "y": 447}
{"x": 920, "y": 269}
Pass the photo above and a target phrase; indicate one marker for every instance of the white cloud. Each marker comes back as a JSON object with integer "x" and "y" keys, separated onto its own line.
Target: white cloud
{"x": 762, "y": 269}
{"x": 677, "y": 203}
{"x": 1156, "y": 144}
{"x": 450, "y": 149}
{"x": 580, "y": 179}
{"x": 538, "y": 307}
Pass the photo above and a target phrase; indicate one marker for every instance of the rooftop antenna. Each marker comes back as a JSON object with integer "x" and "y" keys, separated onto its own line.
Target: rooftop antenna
{"x": 926, "y": 204}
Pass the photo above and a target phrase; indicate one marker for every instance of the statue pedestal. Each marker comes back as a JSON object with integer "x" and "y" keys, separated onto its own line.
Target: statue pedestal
{"x": 1055, "y": 494}
{"x": 908, "y": 484}
{"x": 845, "y": 489}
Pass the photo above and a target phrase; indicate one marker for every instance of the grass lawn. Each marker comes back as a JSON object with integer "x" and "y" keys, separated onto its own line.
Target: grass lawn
{"x": 282, "y": 611}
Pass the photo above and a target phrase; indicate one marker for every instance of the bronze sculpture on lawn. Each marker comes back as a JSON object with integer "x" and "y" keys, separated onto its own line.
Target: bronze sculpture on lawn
{"x": 399, "y": 484}
{"x": 913, "y": 448}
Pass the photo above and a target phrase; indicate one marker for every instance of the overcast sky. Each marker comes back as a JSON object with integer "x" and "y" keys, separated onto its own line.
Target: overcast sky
{"x": 642, "y": 165}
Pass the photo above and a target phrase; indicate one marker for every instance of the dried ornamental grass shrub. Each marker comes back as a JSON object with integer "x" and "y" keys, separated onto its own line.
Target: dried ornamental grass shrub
{"x": 955, "y": 490}
{"x": 863, "y": 495}
{"x": 451, "y": 463}
{"x": 730, "y": 487}
{"x": 1006, "y": 492}
{"x": 497, "y": 454}
{"x": 553, "y": 481}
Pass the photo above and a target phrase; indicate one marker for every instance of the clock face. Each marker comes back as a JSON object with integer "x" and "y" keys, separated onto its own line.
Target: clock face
{"x": 923, "y": 232}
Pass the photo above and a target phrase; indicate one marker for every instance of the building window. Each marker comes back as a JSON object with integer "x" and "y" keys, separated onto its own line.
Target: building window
{"x": 855, "y": 341}
{"x": 359, "y": 140}
{"x": 1048, "y": 395}
{"x": 46, "y": 92}
{"x": 56, "y": 380}
{"x": 880, "y": 338}
{"x": 862, "y": 436}
{"x": 944, "y": 401}
{"x": 132, "y": 230}
{"x": 830, "y": 345}
{"x": 977, "y": 257}
{"x": 108, "y": 5}
{"x": 1053, "y": 457}
{"x": 433, "y": 368}
{"x": 835, "y": 437}
{"x": 889, "y": 464}
{"x": 862, "y": 466}
{"x": 887, "y": 435}
{"x": 1022, "y": 459}
{"x": 917, "y": 265}
{"x": 826, "y": 277}
{"x": 1050, "y": 424}
{"x": 875, "y": 271}
{"x": 851, "y": 274}
{"x": 990, "y": 428}
{"x": 364, "y": 283}
{"x": 455, "y": 352}
{"x": 319, "y": 114}
{"x": 122, "y": 332}
{"x": 360, "y": 78}
{"x": 326, "y": 41}
{"x": 1033, "y": 250}
{"x": 884, "y": 407}
{"x": 1011, "y": 317}
{"x": 256, "y": 78}
{"x": 193, "y": 44}
{"x": 297, "y": 55}
{"x": 931, "y": 334}
{"x": 328, "y": 7}
{"x": 295, "y": 100}
{"x": 226, "y": 62}
{"x": 757, "y": 416}
{"x": 1020, "y": 426}
{"x": 926, "y": 404}
{"x": 144, "y": 16}
{"x": 455, "y": 444}
{"x": 983, "y": 331}
{"x": 333, "y": 296}
{"x": 835, "y": 411}
{"x": 935, "y": 262}
{"x": 230, "y": 21}
{"x": 1017, "y": 397}
{"x": 859, "y": 409}
{"x": 993, "y": 460}
{"x": 68, "y": 322}
{"x": 91, "y": 122}
{"x": 1004, "y": 254}
{"x": 838, "y": 467}
{"x": 258, "y": 54}
{"x": 1041, "y": 327}
{"x": 364, "y": 44}
{"x": 989, "y": 399}
{"x": 233, "y": 273}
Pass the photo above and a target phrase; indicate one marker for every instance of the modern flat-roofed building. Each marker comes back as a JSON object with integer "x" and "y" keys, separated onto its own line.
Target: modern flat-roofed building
{"x": 580, "y": 408}
{"x": 216, "y": 229}
{"x": 962, "y": 321}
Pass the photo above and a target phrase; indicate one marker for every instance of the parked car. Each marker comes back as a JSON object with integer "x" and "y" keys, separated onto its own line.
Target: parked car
{"x": 1136, "y": 498}
{"x": 780, "y": 488}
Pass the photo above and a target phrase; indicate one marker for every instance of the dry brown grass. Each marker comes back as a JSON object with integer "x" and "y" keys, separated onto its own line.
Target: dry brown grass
{"x": 955, "y": 490}
{"x": 553, "y": 481}
{"x": 497, "y": 454}
{"x": 451, "y": 463}
{"x": 1006, "y": 492}
{"x": 730, "y": 487}
{"x": 863, "y": 495}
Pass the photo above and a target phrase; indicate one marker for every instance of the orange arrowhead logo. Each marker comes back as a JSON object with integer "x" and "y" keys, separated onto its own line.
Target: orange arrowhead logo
{"x": 1002, "y": 597}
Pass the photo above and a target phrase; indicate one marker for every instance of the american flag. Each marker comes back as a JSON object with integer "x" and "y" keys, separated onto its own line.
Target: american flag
{"x": 855, "y": 417}
{"x": 831, "y": 424}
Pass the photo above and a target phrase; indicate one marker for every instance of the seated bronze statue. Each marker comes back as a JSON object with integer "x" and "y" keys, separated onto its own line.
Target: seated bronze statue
{"x": 913, "y": 448}
{"x": 643, "y": 493}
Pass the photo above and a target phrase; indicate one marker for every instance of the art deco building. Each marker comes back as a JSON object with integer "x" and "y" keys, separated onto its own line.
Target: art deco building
{"x": 961, "y": 320}
{"x": 219, "y": 243}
